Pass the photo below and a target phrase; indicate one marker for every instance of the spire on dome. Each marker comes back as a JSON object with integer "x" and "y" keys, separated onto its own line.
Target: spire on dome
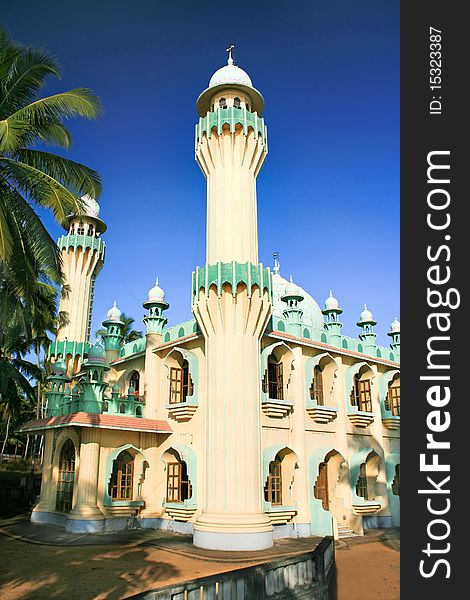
{"x": 230, "y": 58}
{"x": 277, "y": 264}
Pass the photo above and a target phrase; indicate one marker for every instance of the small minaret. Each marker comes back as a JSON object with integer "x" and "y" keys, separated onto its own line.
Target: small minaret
{"x": 113, "y": 337}
{"x": 367, "y": 335}
{"x": 83, "y": 253}
{"x": 154, "y": 320}
{"x": 93, "y": 385}
{"x": 56, "y": 392}
{"x": 394, "y": 333}
{"x": 332, "y": 323}
{"x": 293, "y": 313}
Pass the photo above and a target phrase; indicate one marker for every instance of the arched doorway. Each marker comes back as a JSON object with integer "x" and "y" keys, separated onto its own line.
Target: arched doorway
{"x": 66, "y": 477}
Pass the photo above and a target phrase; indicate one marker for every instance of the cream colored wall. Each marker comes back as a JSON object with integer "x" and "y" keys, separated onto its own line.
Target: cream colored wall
{"x": 231, "y": 162}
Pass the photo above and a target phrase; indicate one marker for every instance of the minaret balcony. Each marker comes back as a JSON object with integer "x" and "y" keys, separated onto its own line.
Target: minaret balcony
{"x": 232, "y": 273}
{"x": 232, "y": 117}
{"x": 82, "y": 241}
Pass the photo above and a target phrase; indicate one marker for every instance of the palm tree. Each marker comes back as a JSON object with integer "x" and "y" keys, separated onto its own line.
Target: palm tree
{"x": 30, "y": 176}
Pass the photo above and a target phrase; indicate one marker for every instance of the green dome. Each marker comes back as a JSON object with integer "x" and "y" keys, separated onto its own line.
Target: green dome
{"x": 115, "y": 388}
{"x": 97, "y": 354}
{"x": 59, "y": 367}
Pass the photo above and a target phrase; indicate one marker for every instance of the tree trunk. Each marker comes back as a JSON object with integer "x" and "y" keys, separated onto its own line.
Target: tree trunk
{"x": 6, "y": 438}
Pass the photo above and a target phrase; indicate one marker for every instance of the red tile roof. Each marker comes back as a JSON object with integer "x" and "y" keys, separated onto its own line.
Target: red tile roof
{"x": 83, "y": 419}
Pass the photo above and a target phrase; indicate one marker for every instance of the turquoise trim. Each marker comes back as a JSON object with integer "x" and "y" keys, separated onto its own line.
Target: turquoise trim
{"x": 232, "y": 273}
{"x": 321, "y": 520}
{"x": 193, "y": 362}
{"x": 231, "y": 116}
{"x": 107, "y": 500}
{"x": 393, "y": 501}
{"x": 354, "y": 468}
{"x": 310, "y": 365}
{"x": 133, "y": 347}
{"x": 264, "y": 365}
{"x": 383, "y": 391}
{"x": 173, "y": 333}
{"x": 348, "y": 383}
{"x": 65, "y": 347}
{"x": 187, "y": 455}
{"x": 82, "y": 241}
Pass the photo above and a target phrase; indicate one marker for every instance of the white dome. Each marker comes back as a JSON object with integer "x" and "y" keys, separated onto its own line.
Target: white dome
{"x": 331, "y": 303}
{"x": 312, "y": 315}
{"x": 156, "y": 294}
{"x": 230, "y": 74}
{"x": 91, "y": 206}
{"x": 292, "y": 289}
{"x": 114, "y": 314}
{"x": 366, "y": 315}
{"x": 395, "y": 326}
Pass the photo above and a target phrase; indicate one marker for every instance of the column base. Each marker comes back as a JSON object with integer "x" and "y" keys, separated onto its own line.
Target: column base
{"x": 233, "y": 532}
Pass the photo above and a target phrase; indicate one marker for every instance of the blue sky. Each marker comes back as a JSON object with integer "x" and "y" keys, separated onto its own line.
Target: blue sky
{"x": 328, "y": 195}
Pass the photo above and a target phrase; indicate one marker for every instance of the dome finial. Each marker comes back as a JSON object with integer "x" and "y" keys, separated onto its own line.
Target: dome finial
{"x": 230, "y": 58}
{"x": 277, "y": 264}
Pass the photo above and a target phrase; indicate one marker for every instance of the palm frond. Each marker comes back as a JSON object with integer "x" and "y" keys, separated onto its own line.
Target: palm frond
{"x": 77, "y": 178}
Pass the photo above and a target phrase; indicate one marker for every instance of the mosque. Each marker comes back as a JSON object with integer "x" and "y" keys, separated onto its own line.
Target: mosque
{"x": 257, "y": 419}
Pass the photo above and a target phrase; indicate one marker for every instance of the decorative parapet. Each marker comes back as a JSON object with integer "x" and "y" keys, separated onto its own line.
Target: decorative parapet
{"x": 232, "y": 273}
{"x": 83, "y": 241}
{"x": 232, "y": 117}
{"x": 176, "y": 332}
{"x": 276, "y": 408}
{"x": 361, "y": 419}
{"x": 65, "y": 347}
{"x": 133, "y": 347}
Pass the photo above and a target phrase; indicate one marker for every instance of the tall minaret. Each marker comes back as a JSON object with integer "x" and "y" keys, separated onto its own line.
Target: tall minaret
{"x": 83, "y": 253}
{"x": 232, "y": 304}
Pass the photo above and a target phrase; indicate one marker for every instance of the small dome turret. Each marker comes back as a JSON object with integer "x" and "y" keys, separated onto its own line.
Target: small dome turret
{"x": 292, "y": 290}
{"x": 156, "y": 294}
{"x": 366, "y": 315}
{"x": 91, "y": 206}
{"x": 114, "y": 314}
{"x": 331, "y": 303}
{"x": 395, "y": 326}
{"x": 59, "y": 368}
{"x": 96, "y": 354}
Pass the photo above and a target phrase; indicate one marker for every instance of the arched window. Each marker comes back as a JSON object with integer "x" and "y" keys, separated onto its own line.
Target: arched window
{"x": 316, "y": 389}
{"x": 180, "y": 383}
{"x": 361, "y": 394}
{"x": 273, "y": 487}
{"x": 80, "y": 229}
{"x": 222, "y": 103}
{"x": 392, "y": 400}
{"x": 135, "y": 382}
{"x": 122, "y": 409}
{"x": 178, "y": 486}
{"x": 90, "y": 230}
{"x": 138, "y": 411}
{"x": 361, "y": 486}
{"x": 120, "y": 486}
{"x": 273, "y": 380}
{"x": 105, "y": 406}
{"x": 236, "y": 103}
{"x": 396, "y": 481}
{"x": 66, "y": 477}
{"x": 320, "y": 489}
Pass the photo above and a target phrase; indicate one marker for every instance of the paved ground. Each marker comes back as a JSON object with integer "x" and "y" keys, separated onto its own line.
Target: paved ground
{"x": 46, "y": 562}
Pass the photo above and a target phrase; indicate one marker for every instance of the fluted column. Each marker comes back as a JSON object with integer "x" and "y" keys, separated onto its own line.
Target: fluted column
{"x": 47, "y": 498}
{"x": 86, "y": 508}
{"x": 231, "y": 162}
{"x": 233, "y": 517}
